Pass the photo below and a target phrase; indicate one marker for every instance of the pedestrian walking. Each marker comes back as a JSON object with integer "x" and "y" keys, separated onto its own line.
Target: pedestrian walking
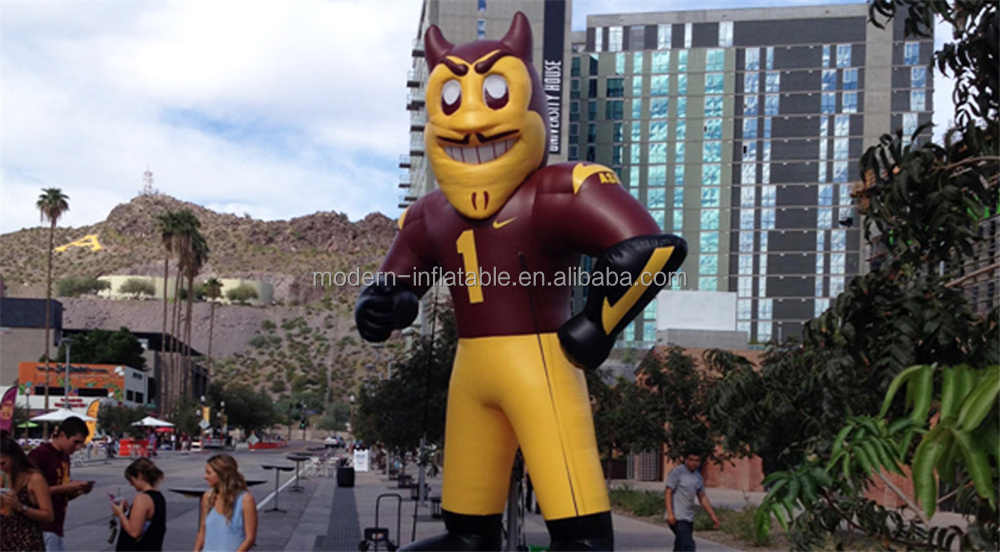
{"x": 25, "y": 503}
{"x": 52, "y": 459}
{"x": 144, "y": 524}
{"x": 685, "y": 490}
{"x": 228, "y": 510}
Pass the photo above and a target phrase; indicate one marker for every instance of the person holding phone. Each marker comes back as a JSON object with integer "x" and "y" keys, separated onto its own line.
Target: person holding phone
{"x": 228, "y": 510}
{"x": 52, "y": 458}
{"x": 145, "y": 523}
{"x": 25, "y": 502}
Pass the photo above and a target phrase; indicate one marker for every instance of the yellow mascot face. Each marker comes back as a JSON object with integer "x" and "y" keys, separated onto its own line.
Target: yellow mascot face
{"x": 484, "y": 133}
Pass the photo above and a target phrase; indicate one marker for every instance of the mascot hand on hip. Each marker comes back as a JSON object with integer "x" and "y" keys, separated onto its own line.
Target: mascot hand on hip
{"x": 501, "y": 212}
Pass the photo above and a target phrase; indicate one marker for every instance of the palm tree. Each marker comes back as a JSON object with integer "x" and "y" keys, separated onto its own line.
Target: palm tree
{"x": 213, "y": 288}
{"x": 194, "y": 259}
{"x": 166, "y": 224}
{"x": 191, "y": 250}
{"x": 51, "y": 205}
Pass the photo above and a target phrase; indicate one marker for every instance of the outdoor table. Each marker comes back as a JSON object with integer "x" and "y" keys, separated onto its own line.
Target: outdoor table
{"x": 277, "y": 474}
{"x": 298, "y": 459}
{"x": 197, "y": 492}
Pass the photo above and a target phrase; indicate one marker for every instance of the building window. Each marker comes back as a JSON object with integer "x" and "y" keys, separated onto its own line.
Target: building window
{"x": 712, "y": 152}
{"x": 637, "y": 108}
{"x": 615, "y": 87}
{"x": 824, "y": 194}
{"x": 661, "y": 62}
{"x": 918, "y": 100}
{"x": 656, "y": 175}
{"x": 592, "y": 109}
{"x": 659, "y": 85}
{"x": 708, "y": 264}
{"x": 574, "y": 89}
{"x": 746, "y": 242}
{"x": 591, "y": 132}
{"x": 658, "y": 108}
{"x": 617, "y": 134}
{"x": 687, "y": 35}
{"x": 480, "y": 29}
{"x": 637, "y": 86}
{"x": 842, "y": 125}
{"x": 678, "y": 220}
{"x": 710, "y": 219}
{"x": 843, "y": 55}
{"x": 749, "y": 128}
{"x": 715, "y": 60}
{"x": 710, "y": 197}
{"x": 682, "y": 105}
{"x": 682, "y": 84}
{"x": 663, "y": 36}
{"x": 482, "y": 5}
{"x": 678, "y": 197}
{"x": 769, "y": 59}
{"x": 911, "y": 53}
{"x": 599, "y": 39}
{"x": 771, "y": 104}
{"x": 708, "y": 283}
{"x": 636, "y": 150}
{"x": 850, "y": 79}
{"x": 826, "y": 55}
{"x": 713, "y": 83}
{"x": 636, "y": 37}
{"x": 767, "y": 219}
{"x": 748, "y": 196}
{"x": 681, "y": 132}
{"x": 713, "y": 129}
{"x": 658, "y": 131}
{"x": 772, "y": 83}
{"x": 751, "y": 83}
{"x": 829, "y": 79}
{"x": 682, "y": 61}
{"x": 616, "y": 155}
{"x": 619, "y": 64}
{"x": 679, "y": 154}
{"x": 749, "y": 174}
{"x": 750, "y": 106}
{"x": 614, "y": 39}
{"x": 918, "y": 77}
{"x": 636, "y": 127}
{"x": 713, "y": 106}
{"x": 850, "y": 102}
{"x": 658, "y": 152}
{"x": 711, "y": 174}
{"x": 656, "y": 198}
{"x": 574, "y": 152}
{"x": 637, "y": 62}
{"x": 828, "y": 103}
{"x": 614, "y": 110}
{"x": 725, "y": 33}
{"x": 751, "y": 60}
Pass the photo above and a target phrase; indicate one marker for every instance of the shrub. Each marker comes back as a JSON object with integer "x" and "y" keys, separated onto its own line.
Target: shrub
{"x": 640, "y": 503}
{"x": 137, "y": 287}
{"x": 242, "y": 294}
{"x": 74, "y": 286}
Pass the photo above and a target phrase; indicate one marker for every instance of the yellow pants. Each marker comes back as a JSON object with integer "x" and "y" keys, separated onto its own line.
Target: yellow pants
{"x": 501, "y": 394}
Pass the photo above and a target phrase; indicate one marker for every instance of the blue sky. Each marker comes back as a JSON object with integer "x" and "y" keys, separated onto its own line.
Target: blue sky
{"x": 275, "y": 110}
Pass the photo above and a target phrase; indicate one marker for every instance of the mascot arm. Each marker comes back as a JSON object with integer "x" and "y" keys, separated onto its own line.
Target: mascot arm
{"x": 392, "y": 301}
{"x": 634, "y": 260}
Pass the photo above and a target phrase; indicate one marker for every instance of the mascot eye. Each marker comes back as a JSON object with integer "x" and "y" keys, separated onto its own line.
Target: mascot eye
{"x": 495, "y": 91}
{"x": 451, "y": 96}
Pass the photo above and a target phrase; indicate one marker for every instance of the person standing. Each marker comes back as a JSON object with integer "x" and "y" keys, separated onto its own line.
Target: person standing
{"x": 25, "y": 503}
{"x": 146, "y": 522}
{"x": 228, "y": 510}
{"x": 685, "y": 490}
{"x": 52, "y": 459}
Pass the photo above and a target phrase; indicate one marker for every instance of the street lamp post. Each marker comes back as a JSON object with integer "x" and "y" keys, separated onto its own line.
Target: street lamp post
{"x": 351, "y": 423}
{"x": 69, "y": 343}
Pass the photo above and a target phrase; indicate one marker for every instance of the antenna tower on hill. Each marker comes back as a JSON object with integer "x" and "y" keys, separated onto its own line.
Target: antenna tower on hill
{"x": 147, "y": 183}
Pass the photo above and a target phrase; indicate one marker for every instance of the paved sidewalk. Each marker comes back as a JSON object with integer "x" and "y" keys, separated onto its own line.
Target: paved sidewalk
{"x": 342, "y": 534}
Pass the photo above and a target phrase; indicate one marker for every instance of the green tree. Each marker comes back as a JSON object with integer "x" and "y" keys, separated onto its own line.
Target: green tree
{"x": 166, "y": 225}
{"x": 247, "y": 408}
{"x": 106, "y": 347}
{"x": 906, "y": 322}
{"x": 51, "y": 205}
{"x": 186, "y": 415}
{"x": 118, "y": 420}
{"x": 137, "y": 287}
{"x": 398, "y": 411}
{"x": 242, "y": 294}
{"x": 213, "y": 290}
{"x": 75, "y": 286}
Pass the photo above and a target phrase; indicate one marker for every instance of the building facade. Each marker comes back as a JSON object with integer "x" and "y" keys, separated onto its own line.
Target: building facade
{"x": 741, "y": 130}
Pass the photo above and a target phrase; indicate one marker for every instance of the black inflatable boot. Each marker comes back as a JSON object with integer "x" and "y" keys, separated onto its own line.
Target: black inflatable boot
{"x": 593, "y": 532}
{"x": 466, "y": 533}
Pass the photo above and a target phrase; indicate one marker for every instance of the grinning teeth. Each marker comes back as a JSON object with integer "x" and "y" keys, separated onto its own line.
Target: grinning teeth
{"x": 477, "y": 155}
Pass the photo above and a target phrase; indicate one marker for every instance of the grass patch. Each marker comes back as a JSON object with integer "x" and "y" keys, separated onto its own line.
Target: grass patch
{"x": 636, "y": 502}
{"x": 738, "y": 523}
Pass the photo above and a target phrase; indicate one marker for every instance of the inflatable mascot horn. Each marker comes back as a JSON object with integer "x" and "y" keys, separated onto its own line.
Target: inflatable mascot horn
{"x": 514, "y": 229}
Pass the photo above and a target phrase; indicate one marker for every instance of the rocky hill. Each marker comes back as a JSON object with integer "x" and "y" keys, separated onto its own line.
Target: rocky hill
{"x": 282, "y": 253}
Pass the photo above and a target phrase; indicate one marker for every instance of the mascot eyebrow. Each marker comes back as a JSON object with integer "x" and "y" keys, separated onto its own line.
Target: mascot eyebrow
{"x": 482, "y": 67}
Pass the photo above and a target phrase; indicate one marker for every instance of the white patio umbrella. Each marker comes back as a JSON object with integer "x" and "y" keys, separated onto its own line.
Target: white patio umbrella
{"x": 150, "y": 421}
{"x": 61, "y": 414}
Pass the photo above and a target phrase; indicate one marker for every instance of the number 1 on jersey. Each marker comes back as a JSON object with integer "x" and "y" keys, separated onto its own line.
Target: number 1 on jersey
{"x": 467, "y": 249}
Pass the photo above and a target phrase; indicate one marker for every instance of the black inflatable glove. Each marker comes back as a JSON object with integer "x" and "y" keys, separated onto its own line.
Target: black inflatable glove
{"x": 612, "y": 303}
{"x": 382, "y": 308}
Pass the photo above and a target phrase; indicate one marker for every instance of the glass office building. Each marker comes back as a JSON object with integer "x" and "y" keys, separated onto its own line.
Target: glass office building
{"x": 741, "y": 130}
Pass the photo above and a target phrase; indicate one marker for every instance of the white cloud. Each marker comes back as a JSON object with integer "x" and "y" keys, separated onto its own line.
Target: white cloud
{"x": 278, "y": 110}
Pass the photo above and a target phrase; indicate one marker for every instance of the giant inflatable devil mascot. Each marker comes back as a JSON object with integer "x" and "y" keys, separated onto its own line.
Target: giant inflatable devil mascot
{"x": 517, "y": 378}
